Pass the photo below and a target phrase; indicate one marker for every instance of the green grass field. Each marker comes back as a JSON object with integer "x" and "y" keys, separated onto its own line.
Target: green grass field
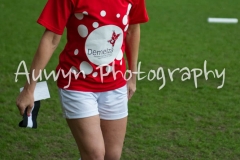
{"x": 176, "y": 122}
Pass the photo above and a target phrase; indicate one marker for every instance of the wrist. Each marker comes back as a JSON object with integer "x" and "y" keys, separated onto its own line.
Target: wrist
{"x": 133, "y": 76}
{"x": 29, "y": 88}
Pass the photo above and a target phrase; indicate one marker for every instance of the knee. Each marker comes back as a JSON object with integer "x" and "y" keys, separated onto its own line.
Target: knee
{"x": 97, "y": 155}
{"x": 113, "y": 154}
{"x": 94, "y": 155}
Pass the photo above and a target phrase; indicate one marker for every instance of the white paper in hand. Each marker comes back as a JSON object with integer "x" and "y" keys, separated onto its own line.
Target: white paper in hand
{"x": 41, "y": 91}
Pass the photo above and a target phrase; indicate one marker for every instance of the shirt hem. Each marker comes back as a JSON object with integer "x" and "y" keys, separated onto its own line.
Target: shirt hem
{"x": 95, "y": 89}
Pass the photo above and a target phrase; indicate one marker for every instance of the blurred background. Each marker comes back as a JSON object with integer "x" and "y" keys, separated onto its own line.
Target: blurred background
{"x": 176, "y": 122}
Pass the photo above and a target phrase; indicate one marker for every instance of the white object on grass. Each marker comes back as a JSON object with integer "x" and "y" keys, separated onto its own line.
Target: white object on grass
{"x": 41, "y": 91}
{"x": 222, "y": 20}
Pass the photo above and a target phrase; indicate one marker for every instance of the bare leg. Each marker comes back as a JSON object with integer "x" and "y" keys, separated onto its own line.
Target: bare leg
{"x": 113, "y": 133}
{"x": 88, "y": 136}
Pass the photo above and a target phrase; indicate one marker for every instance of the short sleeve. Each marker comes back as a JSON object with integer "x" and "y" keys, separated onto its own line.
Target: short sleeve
{"x": 55, "y": 15}
{"x": 138, "y": 13}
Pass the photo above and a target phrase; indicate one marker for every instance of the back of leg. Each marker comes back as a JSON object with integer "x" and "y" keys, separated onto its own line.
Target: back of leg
{"x": 88, "y": 136}
{"x": 113, "y": 133}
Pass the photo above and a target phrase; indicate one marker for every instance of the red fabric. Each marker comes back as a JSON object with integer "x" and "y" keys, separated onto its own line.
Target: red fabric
{"x": 138, "y": 13}
{"x": 55, "y": 15}
{"x": 96, "y": 31}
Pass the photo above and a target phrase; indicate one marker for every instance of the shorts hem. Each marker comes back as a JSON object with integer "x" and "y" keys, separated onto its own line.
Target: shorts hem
{"x": 85, "y": 115}
{"x": 113, "y": 117}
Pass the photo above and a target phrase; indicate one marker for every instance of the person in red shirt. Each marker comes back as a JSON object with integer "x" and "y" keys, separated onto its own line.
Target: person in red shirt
{"x": 93, "y": 86}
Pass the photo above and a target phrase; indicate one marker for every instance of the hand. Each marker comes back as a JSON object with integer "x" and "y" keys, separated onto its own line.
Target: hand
{"x": 25, "y": 100}
{"x": 131, "y": 87}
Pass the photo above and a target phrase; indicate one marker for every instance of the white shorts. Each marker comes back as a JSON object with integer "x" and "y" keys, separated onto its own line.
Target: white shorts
{"x": 110, "y": 105}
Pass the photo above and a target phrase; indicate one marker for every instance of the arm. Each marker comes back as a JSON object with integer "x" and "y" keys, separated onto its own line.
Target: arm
{"x": 132, "y": 47}
{"x": 47, "y": 46}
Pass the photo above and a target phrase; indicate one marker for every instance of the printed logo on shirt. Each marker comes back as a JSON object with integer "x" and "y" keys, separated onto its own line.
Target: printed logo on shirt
{"x": 104, "y": 44}
{"x": 114, "y": 38}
